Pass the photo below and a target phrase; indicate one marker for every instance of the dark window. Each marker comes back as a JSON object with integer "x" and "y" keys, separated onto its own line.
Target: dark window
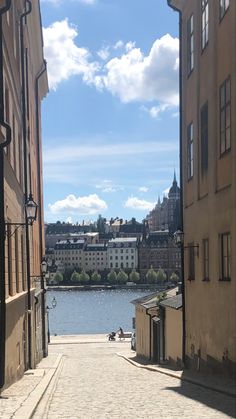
{"x": 190, "y": 45}
{"x": 205, "y": 246}
{"x": 191, "y": 262}
{"x": 225, "y": 255}
{"x": 224, "y": 4}
{"x": 225, "y": 116}
{"x": 190, "y": 150}
{"x": 204, "y": 137}
{"x": 205, "y": 23}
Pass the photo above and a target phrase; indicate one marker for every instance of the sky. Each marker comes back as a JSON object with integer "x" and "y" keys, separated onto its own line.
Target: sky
{"x": 110, "y": 122}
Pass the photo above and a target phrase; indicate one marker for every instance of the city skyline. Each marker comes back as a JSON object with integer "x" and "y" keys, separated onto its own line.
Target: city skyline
{"x": 110, "y": 121}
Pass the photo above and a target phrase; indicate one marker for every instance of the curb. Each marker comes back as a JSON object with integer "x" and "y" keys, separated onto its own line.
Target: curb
{"x": 174, "y": 375}
{"x": 26, "y": 411}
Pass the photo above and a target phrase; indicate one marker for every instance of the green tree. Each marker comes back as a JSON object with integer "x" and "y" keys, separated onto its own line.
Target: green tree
{"x": 58, "y": 277}
{"x": 161, "y": 275}
{"x": 174, "y": 277}
{"x": 112, "y": 277}
{"x": 95, "y": 277}
{"x": 84, "y": 277}
{"x": 75, "y": 277}
{"x": 122, "y": 277}
{"x": 151, "y": 276}
{"x": 134, "y": 276}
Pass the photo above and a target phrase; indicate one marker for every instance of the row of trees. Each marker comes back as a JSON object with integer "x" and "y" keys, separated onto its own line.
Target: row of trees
{"x": 113, "y": 277}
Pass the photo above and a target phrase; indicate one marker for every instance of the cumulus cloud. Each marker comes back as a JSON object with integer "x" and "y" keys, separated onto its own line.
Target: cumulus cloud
{"x": 131, "y": 75}
{"x": 136, "y": 77}
{"x": 139, "y": 204}
{"x": 86, "y": 205}
{"x": 63, "y": 56}
{"x": 143, "y": 189}
{"x": 155, "y": 111}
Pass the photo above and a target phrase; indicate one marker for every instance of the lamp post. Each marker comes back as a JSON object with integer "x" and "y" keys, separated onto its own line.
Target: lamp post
{"x": 30, "y": 215}
{"x": 53, "y": 305}
{"x": 44, "y": 268}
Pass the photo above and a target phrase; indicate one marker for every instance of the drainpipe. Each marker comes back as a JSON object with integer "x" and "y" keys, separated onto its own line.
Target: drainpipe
{"x": 2, "y": 210}
{"x": 181, "y": 176}
{"x": 39, "y": 169}
{"x": 150, "y": 333}
{"x": 24, "y": 129}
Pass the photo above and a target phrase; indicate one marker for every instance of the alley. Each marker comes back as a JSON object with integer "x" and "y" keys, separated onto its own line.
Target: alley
{"x": 94, "y": 382}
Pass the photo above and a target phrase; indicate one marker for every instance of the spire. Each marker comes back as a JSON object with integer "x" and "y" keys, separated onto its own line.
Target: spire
{"x": 174, "y": 181}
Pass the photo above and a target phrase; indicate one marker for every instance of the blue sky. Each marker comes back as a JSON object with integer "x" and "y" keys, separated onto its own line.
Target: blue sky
{"x": 110, "y": 121}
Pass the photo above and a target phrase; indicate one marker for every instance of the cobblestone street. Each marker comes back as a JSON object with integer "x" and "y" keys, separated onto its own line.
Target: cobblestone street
{"x": 92, "y": 381}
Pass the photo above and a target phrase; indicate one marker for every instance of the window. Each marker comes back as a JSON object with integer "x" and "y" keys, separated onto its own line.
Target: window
{"x": 225, "y": 117}
{"x": 204, "y": 137}
{"x": 224, "y": 4}
{"x": 190, "y": 150}
{"x": 205, "y": 247}
{"x": 225, "y": 257}
{"x": 205, "y": 23}
{"x": 190, "y": 45}
{"x": 191, "y": 262}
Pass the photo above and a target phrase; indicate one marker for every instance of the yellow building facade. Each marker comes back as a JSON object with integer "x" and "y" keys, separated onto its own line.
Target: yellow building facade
{"x": 208, "y": 180}
{"x": 24, "y": 84}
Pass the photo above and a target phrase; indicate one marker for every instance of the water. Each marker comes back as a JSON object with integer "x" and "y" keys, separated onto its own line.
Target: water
{"x": 89, "y": 312}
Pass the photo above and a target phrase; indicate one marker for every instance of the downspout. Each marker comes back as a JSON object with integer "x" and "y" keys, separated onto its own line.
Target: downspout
{"x": 43, "y": 313}
{"x": 24, "y": 128}
{"x": 150, "y": 333}
{"x": 7, "y": 141}
{"x": 181, "y": 176}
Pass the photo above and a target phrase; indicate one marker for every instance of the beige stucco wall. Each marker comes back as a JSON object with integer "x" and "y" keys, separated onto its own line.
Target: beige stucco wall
{"x": 173, "y": 334}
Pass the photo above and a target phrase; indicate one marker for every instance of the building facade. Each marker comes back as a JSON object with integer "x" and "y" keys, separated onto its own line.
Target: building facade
{"x": 157, "y": 250}
{"x": 166, "y": 214}
{"x": 122, "y": 253}
{"x": 24, "y": 84}
{"x": 208, "y": 166}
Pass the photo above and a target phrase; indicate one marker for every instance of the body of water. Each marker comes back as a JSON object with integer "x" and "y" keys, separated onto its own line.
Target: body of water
{"x": 89, "y": 312}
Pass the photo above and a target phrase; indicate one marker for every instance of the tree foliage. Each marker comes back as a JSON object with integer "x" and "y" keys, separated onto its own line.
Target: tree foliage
{"x": 122, "y": 277}
{"x": 96, "y": 277}
{"x": 134, "y": 276}
{"x": 151, "y": 276}
{"x": 75, "y": 277}
{"x": 84, "y": 277}
{"x": 174, "y": 277}
{"x": 58, "y": 277}
{"x": 112, "y": 276}
{"x": 161, "y": 275}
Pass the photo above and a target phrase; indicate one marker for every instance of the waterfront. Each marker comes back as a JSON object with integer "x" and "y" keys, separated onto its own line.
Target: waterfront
{"x": 89, "y": 312}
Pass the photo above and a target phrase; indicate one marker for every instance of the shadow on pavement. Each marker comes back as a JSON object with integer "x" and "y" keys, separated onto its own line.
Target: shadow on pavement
{"x": 223, "y": 403}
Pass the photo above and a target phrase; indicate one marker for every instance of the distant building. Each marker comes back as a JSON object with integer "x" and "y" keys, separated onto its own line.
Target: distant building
{"x": 70, "y": 253}
{"x": 122, "y": 253}
{"x": 165, "y": 215}
{"x": 157, "y": 250}
{"x": 131, "y": 229}
{"x": 95, "y": 257}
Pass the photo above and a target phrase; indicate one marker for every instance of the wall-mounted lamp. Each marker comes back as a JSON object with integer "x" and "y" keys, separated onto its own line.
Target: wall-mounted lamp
{"x": 44, "y": 267}
{"x": 30, "y": 212}
{"x": 179, "y": 241}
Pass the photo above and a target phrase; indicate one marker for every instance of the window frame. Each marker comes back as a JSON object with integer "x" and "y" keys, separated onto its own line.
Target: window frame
{"x": 205, "y": 24}
{"x": 204, "y": 127}
{"x": 225, "y": 256}
{"x": 190, "y": 160}
{"x": 223, "y": 115}
{"x": 223, "y": 7}
{"x": 191, "y": 261}
{"x": 190, "y": 45}
{"x": 205, "y": 259}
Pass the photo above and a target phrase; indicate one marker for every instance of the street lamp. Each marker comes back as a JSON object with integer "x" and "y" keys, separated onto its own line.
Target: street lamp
{"x": 30, "y": 213}
{"x": 53, "y": 305}
{"x": 179, "y": 241}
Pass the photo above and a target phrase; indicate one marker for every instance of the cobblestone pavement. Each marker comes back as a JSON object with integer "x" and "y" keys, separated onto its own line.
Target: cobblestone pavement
{"x": 93, "y": 382}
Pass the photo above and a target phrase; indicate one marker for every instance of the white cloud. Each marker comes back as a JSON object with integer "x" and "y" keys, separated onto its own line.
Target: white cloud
{"x": 166, "y": 191}
{"x": 63, "y": 57}
{"x": 155, "y": 111}
{"x": 86, "y": 205}
{"x": 104, "y": 53}
{"x": 133, "y": 76}
{"x": 73, "y": 153}
{"x": 139, "y": 204}
{"x": 143, "y": 189}
{"x": 136, "y": 77}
